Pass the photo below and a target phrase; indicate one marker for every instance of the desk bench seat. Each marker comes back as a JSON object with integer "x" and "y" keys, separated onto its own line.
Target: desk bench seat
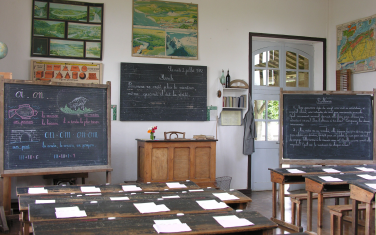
{"x": 298, "y": 198}
{"x": 337, "y": 212}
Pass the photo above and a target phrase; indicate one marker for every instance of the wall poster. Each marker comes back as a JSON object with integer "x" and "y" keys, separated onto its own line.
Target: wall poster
{"x": 165, "y": 29}
{"x": 356, "y": 45}
{"x": 67, "y": 29}
{"x": 66, "y": 71}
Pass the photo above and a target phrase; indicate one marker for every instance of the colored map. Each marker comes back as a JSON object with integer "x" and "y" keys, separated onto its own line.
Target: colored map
{"x": 356, "y": 45}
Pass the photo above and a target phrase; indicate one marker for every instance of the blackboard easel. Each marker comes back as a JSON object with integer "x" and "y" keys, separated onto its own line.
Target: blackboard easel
{"x": 53, "y": 128}
{"x": 327, "y": 127}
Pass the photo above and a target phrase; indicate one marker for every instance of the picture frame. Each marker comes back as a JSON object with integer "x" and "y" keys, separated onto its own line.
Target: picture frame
{"x": 165, "y": 29}
{"x": 67, "y": 29}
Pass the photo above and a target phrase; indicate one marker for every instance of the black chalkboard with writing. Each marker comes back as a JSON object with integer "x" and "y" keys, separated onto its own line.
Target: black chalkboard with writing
{"x": 327, "y": 127}
{"x": 159, "y": 92}
{"x": 49, "y": 126}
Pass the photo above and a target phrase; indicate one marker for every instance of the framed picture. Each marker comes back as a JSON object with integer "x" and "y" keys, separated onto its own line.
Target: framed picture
{"x": 165, "y": 29}
{"x": 67, "y": 29}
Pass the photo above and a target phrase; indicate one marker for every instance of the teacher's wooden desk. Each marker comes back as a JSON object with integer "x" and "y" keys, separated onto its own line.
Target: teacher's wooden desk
{"x": 314, "y": 184}
{"x": 199, "y": 223}
{"x": 361, "y": 192}
{"x": 282, "y": 176}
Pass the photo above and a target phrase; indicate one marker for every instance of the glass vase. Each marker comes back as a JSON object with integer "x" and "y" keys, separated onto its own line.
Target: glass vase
{"x": 152, "y": 136}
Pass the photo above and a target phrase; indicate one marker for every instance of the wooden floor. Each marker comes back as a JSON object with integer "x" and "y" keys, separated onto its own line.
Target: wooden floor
{"x": 261, "y": 202}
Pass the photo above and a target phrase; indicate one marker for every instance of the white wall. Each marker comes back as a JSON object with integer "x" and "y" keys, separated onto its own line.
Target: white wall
{"x": 223, "y": 44}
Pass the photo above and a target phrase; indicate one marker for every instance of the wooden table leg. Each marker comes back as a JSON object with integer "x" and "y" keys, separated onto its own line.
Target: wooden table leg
{"x": 7, "y": 195}
{"x": 282, "y": 200}
{"x": 309, "y": 211}
{"x": 368, "y": 219}
{"x": 355, "y": 216}
{"x": 274, "y": 200}
{"x": 320, "y": 212}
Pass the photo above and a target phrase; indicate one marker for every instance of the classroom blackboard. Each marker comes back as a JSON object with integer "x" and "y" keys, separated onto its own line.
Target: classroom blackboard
{"x": 161, "y": 92}
{"x": 327, "y": 127}
{"x": 51, "y": 126}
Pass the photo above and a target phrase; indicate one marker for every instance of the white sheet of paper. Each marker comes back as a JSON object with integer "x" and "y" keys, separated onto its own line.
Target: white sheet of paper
{"x": 70, "y": 214}
{"x": 171, "y": 228}
{"x": 90, "y": 189}
{"x": 368, "y": 177}
{"x": 331, "y": 170}
{"x": 44, "y": 201}
{"x": 119, "y": 198}
{"x": 225, "y": 196}
{"x": 295, "y": 171}
{"x": 173, "y": 196}
{"x": 211, "y": 204}
{"x": 93, "y": 194}
{"x": 129, "y": 188}
{"x": 232, "y": 221}
{"x": 65, "y": 209}
{"x": 365, "y": 169}
{"x": 196, "y": 190}
{"x": 150, "y": 207}
{"x": 330, "y": 179}
{"x": 37, "y": 190}
{"x": 168, "y": 221}
{"x": 176, "y": 185}
{"x": 372, "y": 185}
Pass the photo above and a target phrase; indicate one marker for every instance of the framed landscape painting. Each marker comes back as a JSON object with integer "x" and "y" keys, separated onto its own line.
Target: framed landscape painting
{"x": 67, "y": 29}
{"x": 165, "y": 29}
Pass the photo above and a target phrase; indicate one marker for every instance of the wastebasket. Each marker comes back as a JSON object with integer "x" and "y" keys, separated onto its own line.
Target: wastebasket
{"x": 223, "y": 182}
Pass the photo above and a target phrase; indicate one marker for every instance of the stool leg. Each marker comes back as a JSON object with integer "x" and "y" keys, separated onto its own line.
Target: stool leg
{"x": 299, "y": 215}
{"x": 340, "y": 224}
{"x": 293, "y": 211}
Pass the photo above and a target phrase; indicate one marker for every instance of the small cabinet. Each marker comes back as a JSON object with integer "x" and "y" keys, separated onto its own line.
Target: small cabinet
{"x": 233, "y": 98}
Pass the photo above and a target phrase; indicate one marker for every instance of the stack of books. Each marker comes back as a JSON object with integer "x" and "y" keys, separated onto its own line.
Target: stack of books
{"x": 235, "y": 102}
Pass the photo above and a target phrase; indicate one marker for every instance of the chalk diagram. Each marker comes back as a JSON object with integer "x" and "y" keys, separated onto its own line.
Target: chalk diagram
{"x": 24, "y": 111}
{"x": 23, "y": 136}
{"x": 75, "y": 104}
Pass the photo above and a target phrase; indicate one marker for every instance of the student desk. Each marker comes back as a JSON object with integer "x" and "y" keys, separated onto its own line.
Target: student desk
{"x": 360, "y": 192}
{"x": 199, "y": 223}
{"x": 314, "y": 184}
{"x": 282, "y": 176}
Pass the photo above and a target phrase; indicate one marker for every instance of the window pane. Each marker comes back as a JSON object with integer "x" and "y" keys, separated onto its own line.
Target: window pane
{"x": 260, "y": 77}
{"x": 273, "y": 109}
{"x": 260, "y": 59}
{"x": 290, "y": 60}
{"x": 273, "y": 131}
{"x": 273, "y": 78}
{"x": 303, "y": 63}
{"x": 273, "y": 59}
{"x": 290, "y": 78}
{"x": 260, "y": 130}
{"x": 259, "y": 109}
{"x": 303, "y": 79}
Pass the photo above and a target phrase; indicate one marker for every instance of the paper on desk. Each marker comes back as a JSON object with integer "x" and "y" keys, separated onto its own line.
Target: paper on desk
{"x": 331, "y": 170}
{"x": 367, "y": 177}
{"x": 365, "y": 169}
{"x": 171, "y": 228}
{"x": 211, "y": 204}
{"x": 330, "y": 179}
{"x": 129, "y": 188}
{"x": 119, "y": 198}
{"x": 38, "y": 190}
{"x": 196, "y": 190}
{"x": 372, "y": 185}
{"x": 150, "y": 207}
{"x": 167, "y": 221}
{"x": 69, "y": 212}
{"x": 176, "y": 185}
{"x": 295, "y": 171}
{"x": 90, "y": 189}
{"x": 225, "y": 196}
{"x": 44, "y": 201}
{"x": 173, "y": 196}
{"x": 229, "y": 221}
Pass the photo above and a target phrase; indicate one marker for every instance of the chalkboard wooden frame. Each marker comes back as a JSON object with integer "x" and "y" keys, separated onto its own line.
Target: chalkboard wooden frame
{"x": 283, "y": 160}
{"x": 57, "y": 170}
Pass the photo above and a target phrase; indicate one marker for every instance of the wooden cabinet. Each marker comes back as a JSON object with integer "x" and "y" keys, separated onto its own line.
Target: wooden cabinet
{"x": 177, "y": 160}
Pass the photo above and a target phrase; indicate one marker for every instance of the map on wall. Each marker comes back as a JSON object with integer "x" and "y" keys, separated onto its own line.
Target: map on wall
{"x": 165, "y": 29}
{"x": 356, "y": 45}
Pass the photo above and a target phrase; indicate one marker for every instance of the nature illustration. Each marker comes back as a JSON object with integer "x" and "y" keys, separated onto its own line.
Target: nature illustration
{"x": 84, "y": 31}
{"x": 76, "y": 106}
{"x": 165, "y": 29}
{"x": 95, "y": 15}
{"x": 66, "y": 48}
{"x": 40, "y": 46}
{"x": 40, "y": 9}
{"x": 60, "y": 11}
{"x": 47, "y": 28}
{"x": 93, "y": 49}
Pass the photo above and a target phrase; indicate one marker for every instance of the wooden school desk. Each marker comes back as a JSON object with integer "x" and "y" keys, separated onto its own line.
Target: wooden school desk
{"x": 314, "y": 184}
{"x": 199, "y": 223}
{"x": 361, "y": 192}
{"x": 282, "y": 176}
